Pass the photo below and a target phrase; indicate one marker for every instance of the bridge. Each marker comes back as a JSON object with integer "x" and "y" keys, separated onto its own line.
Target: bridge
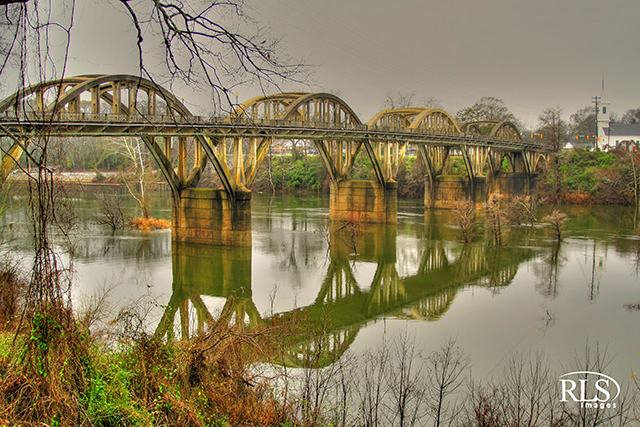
{"x": 183, "y": 145}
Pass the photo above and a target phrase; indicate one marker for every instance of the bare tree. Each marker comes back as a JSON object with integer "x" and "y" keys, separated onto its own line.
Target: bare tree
{"x": 556, "y": 221}
{"x": 523, "y": 209}
{"x": 407, "y": 389}
{"x": 553, "y": 128}
{"x": 214, "y": 44}
{"x": 138, "y": 174}
{"x": 496, "y": 216}
{"x": 524, "y": 395}
{"x": 372, "y": 390}
{"x": 598, "y": 360}
{"x": 465, "y": 217}
{"x": 448, "y": 365}
{"x": 394, "y": 100}
{"x": 111, "y": 213}
{"x": 631, "y": 116}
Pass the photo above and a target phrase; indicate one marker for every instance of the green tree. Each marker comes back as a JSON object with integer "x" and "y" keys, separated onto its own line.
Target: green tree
{"x": 631, "y": 116}
{"x": 583, "y": 121}
{"x": 487, "y": 108}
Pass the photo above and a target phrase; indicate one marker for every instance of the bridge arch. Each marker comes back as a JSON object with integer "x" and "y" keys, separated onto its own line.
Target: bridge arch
{"x": 321, "y": 108}
{"x": 506, "y": 131}
{"x": 540, "y": 162}
{"x": 435, "y": 120}
{"x": 67, "y": 93}
{"x": 396, "y": 118}
{"x": 385, "y": 157}
{"x": 46, "y": 100}
{"x": 297, "y": 107}
{"x": 317, "y": 108}
{"x": 264, "y": 107}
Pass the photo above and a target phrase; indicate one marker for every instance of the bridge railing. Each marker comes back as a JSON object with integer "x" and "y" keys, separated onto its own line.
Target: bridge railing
{"x": 64, "y": 117}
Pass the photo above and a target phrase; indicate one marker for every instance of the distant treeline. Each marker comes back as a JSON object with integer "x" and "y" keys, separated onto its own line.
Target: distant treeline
{"x": 572, "y": 176}
{"x": 291, "y": 172}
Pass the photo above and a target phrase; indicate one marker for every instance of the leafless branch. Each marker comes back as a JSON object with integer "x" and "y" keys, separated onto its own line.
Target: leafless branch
{"x": 199, "y": 45}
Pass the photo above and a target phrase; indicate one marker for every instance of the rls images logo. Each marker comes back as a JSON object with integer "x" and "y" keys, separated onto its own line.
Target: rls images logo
{"x": 590, "y": 389}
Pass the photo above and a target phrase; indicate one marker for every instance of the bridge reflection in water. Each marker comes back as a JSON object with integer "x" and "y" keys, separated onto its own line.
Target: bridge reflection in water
{"x": 343, "y": 304}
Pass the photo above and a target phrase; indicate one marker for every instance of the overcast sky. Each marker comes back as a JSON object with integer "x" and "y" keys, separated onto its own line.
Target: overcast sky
{"x": 532, "y": 54}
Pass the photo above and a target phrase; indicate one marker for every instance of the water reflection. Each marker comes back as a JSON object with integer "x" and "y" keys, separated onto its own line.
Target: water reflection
{"x": 345, "y": 300}
{"x": 402, "y": 278}
{"x": 118, "y": 245}
{"x": 199, "y": 271}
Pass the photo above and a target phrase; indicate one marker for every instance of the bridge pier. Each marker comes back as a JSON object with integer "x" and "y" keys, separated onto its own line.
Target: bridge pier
{"x": 364, "y": 201}
{"x": 510, "y": 184}
{"x": 445, "y": 190}
{"x": 210, "y": 216}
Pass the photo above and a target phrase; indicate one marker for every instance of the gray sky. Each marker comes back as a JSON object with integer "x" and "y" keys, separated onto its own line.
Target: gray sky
{"x": 532, "y": 54}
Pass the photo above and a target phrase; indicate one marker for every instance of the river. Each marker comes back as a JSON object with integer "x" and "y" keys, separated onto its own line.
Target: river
{"x": 377, "y": 282}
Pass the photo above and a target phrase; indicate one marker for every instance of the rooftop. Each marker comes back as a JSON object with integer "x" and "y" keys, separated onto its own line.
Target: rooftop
{"x": 622, "y": 129}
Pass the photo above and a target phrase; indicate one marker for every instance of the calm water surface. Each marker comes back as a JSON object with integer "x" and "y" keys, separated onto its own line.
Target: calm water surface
{"x": 376, "y": 283}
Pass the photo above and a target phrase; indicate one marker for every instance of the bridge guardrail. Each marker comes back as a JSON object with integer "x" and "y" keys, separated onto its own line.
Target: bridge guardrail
{"x": 64, "y": 117}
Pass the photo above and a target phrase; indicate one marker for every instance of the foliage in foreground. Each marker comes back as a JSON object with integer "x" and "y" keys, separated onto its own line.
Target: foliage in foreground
{"x": 140, "y": 380}
{"x": 213, "y": 379}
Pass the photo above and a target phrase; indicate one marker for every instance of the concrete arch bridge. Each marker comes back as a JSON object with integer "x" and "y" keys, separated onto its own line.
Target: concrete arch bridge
{"x": 183, "y": 145}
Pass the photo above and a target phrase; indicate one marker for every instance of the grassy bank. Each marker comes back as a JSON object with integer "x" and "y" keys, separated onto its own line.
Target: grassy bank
{"x": 135, "y": 379}
{"x": 591, "y": 177}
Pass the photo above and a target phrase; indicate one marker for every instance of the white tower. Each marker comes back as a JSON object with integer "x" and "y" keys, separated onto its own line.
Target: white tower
{"x": 602, "y": 114}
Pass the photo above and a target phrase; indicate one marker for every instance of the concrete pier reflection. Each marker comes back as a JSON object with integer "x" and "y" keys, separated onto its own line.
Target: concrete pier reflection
{"x": 344, "y": 303}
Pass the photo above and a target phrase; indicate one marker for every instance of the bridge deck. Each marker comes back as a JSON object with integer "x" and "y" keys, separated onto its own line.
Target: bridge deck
{"x": 87, "y": 124}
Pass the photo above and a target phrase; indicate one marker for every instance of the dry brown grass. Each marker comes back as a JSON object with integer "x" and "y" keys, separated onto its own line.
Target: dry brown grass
{"x": 148, "y": 224}
{"x": 206, "y": 380}
{"x": 12, "y": 288}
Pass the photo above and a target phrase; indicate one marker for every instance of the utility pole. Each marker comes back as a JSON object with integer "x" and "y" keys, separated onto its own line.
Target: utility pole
{"x": 595, "y": 100}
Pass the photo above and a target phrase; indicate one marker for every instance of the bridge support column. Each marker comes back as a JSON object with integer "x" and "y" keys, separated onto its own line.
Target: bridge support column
{"x": 204, "y": 215}
{"x": 364, "y": 201}
{"x": 510, "y": 184}
{"x": 446, "y": 190}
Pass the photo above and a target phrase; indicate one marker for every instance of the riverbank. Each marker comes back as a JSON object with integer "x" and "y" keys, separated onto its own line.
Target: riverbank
{"x": 580, "y": 177}
{"x": 573, "y": 177}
